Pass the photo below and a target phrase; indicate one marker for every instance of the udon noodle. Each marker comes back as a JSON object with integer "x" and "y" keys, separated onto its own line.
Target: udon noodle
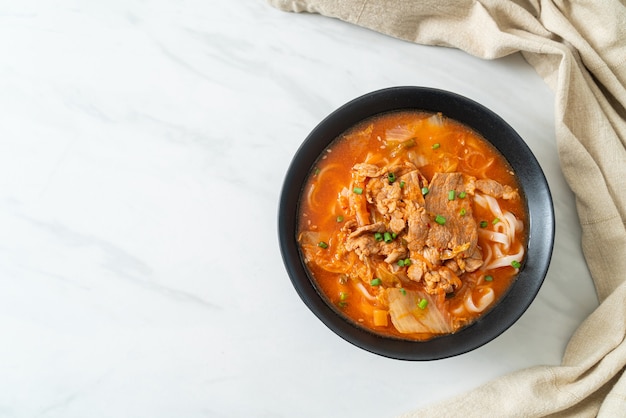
{"x": 412, "y": 225}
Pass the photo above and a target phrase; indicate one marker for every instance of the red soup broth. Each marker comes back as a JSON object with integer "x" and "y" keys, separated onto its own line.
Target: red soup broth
{"x": 433, "y": 144}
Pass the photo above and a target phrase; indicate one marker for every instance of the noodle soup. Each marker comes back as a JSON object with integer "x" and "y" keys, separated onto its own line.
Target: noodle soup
{"x": 412, "y": 225}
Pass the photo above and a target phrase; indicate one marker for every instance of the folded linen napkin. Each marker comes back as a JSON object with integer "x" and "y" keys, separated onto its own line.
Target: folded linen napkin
{"x": 579, "y": 48}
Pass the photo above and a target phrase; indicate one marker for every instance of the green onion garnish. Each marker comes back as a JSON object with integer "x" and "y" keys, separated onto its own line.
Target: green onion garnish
{"x": 387, "y": 237}
{"x": 440, "y": 220}
{"x": 376, "y": 282}
{"x": 322, "y": 244}
{"x": 342, "y": 304}
{"x": 317, "y": 171}
{"x": 394, "y": 235}
{"x": 403, "y": 291}
{"x": 404, "y": 263}
{"x": 462, "y": 195}
{"x": 423, "y": 303}
{"x": 339, "y": 218}
{"x": 391, "y": 177}
{"x": 462, "y": 212}
{"x": 483, "y": 224}
{"x": 358, "y": 190}
{"x": 495, "y": 221}
{"x": 488, "y": 278}
{"x": 424, "y": 191}
{"x": 516, "y": 264}
{"x": 378, "y": 236}
{"x": 451, "y": 195}
{"x": 343, "y": 295}
{"x": 402, "y": 183}
{"x": 435, "y": 146}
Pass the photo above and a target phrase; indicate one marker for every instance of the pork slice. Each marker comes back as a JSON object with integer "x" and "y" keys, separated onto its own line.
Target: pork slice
{"x": 394, "y": 251}
{"x": 364, "y": 246}
{"x": 441, "y": 280}
{"x": 371, "y": 228}
{"x": 372, "y": 170}
{"x": 362, "y": 240}
{"x": 367, "y": 170}
{"x": 416, "y": 270}
{"x": 403, "y": 169}
{"x": 419, "y": 223}
{"x": 472, "y": 262}
{"x": 457, "y": 230}
{"x": 386, "y": 196}
{"x": 454, "y": 266}
{"x": 431, "y": 255}
{"x": 495, "y": 189}
{"x": 350, "y": 226}
{"x": 412, "y": 184}
{"x": 439, "y": 237}
{"x": 397, "y": 222}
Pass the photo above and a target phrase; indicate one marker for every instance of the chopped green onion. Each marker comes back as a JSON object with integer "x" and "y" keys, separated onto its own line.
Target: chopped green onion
{"x": 483, "y": 224}
{"x": 358, "y": 190}
{"x": 440, "y": 220}
{"x": 402, "y": 183}
{"x": 451, "y": 195}
{"x": 404, "y": 263}
{"x": 495, "y": 221}
{"x": 423, "y": 303}
{"x": 387, "y": 237}
{"x": 378, "y": 236}
{"x": 516, "y": 264}
{"x": 343, "y": 295}
{"x": 424, "y": 191}
{"x": 403, "y": 291}
{"x": 462, "y": 195}
{"x": 391, "y": 177}
{"x": 435, "y": 146}
{"x": 342, "y": 304}
{"x": 462, "y": 212}
{"x": 488, "y": 278}
{"x": 317, "y": 171}
{"x": 394, "y": 235}
{"x": 322, "y": 244}
{"x": 376, "y": 282}
{"x": 339, "y": 218}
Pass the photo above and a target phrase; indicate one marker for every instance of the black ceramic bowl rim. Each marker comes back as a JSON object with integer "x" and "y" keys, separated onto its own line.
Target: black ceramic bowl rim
{"x": 493, "y": 128}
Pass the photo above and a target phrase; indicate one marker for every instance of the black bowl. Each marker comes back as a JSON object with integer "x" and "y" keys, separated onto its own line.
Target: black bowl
{"x": 531, "y": 179}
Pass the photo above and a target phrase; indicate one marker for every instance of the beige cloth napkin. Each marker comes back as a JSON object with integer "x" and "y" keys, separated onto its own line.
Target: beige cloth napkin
{"x": 579, "y": 48}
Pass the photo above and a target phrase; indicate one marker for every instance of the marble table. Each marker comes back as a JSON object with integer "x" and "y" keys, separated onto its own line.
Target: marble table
{"x": 143, "y": 147}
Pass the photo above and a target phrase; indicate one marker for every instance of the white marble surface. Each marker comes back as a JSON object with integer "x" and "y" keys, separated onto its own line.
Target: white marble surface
{"x": 142, "y": 151}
